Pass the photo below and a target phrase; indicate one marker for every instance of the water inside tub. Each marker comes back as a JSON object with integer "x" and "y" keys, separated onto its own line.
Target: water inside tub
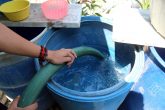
{"x": 89, "y": 74}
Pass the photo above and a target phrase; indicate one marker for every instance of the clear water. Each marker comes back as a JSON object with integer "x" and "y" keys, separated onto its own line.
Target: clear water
{"x": 89, "y": 74}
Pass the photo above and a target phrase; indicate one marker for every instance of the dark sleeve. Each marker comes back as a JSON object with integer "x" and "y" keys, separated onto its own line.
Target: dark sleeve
{"x": 2, "y": 107}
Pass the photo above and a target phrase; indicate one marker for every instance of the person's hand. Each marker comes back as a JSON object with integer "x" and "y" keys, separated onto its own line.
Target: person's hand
{"x": 14, "y": 104}
{"x": 61, "y": 56}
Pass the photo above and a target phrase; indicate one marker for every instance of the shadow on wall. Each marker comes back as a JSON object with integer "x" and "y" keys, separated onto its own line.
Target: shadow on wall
{"x": 133, "y": 101}
{"x": 28, "y": 32}
{"x": 126, "y": 54}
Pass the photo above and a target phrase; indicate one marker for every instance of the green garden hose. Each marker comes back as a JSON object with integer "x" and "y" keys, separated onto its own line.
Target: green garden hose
{"x": 45, "y": 73}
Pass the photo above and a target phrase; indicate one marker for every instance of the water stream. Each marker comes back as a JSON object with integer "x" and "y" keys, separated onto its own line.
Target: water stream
{"x": 90, "y": 74}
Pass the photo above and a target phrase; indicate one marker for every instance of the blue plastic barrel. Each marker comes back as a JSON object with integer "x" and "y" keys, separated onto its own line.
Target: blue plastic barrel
{"x": 16, "y": 71}
{"x": 3, "y": 1}
{"x": 148, "y": 92}
{"x": 94, "y": 32}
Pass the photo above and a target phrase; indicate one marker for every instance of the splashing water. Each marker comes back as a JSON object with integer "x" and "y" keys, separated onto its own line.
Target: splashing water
{"x": 89, "y": 74}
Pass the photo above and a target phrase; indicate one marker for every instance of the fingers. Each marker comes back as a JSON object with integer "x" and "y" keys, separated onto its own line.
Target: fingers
{"x": 61, "y": 56}
{"x": 14, "y": 103}
{"x": 33, "y": 106}
{"x": 69, "y": 63}
{"x": 72, "y": 55}
{"x": 71, "y": 51}
{"x": 67, "y": 59}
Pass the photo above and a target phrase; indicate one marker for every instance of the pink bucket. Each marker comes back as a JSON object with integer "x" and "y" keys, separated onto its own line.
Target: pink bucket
{"x": 55, "y": 9}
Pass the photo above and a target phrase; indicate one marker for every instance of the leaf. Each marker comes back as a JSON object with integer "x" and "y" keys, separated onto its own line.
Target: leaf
{"x": 108, "y": 11}
{"x": 88, "y": 5}
{"x": 139, "y": 3}
{"x": 98, "y": 14}
{"x": 95, "y": 5}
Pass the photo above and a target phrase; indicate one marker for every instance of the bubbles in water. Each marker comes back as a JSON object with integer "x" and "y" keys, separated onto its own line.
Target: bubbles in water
{"x": 89, "y": 74}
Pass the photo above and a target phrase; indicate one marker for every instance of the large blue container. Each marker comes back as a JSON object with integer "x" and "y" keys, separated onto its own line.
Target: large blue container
{"x": 3, "y": 1}
{"x": 94, "y": 32}
{"x": 17, "y": 71}
{"x": 148, "y": 92}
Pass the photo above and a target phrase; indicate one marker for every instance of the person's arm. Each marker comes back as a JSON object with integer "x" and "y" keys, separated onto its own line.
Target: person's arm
{"x": 11, "y": 42}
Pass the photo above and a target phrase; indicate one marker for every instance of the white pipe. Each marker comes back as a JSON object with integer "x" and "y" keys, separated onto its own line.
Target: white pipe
{"x": 158, "y": 15}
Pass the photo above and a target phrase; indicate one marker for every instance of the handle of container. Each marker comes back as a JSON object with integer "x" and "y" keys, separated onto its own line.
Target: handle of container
{"x": 37, "y": 83}
{"x": 138, "y": 48}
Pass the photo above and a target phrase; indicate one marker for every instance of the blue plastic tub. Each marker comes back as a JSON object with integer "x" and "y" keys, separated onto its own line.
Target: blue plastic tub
{"x": 94, "y": 32}
{"x": 3, "y": 1}
{"x": 17, "y": 71}
{"x": 148, "y": 92}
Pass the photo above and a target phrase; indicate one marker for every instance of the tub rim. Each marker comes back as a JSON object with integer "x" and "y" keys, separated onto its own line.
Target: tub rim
{"x": 156, "y": 57}
{"x": 131, "y": 79}
{"x": 139, "y": 61}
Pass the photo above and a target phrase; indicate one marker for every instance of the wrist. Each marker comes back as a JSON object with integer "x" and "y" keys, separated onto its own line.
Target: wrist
{"x": 48, "y": 57}
{"x": 43, "y": 54}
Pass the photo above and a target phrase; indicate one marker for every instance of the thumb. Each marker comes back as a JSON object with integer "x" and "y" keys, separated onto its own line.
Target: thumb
{"x": 67, "y": 59}
{"x": 33, "y": 106}
{"x": 15, "y": 102}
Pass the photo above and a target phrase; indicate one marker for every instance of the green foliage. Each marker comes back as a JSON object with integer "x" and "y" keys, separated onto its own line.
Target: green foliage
{"x": 144, "y": 4}
{"x": 93, "y": 7}
{"x": 103, "y": 7}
